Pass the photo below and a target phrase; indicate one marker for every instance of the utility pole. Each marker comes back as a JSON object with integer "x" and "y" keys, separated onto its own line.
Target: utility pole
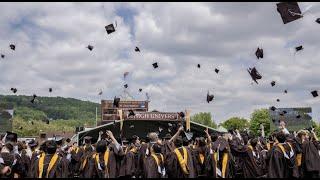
{"x": 96, "y": 116}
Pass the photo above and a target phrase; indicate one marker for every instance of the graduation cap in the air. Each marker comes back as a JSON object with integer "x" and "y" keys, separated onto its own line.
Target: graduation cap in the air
{"x": 50, "y": 89}
{"x": 32, "y": 122}
{"x": 216, "y": 70}
{"x": 209, "y": 97}
{"x": 273, "y": 83}
{"x": 298, "y": 116}
{"x": 160, "y": 129}
{"x": 181, "y": 114}
{"x": 289, "y": 11}
{"x": 34, "y": 97}
{"x": 100, "y": 93}
{"x": 314, "y": 93}
{"x": 20, "y": 127}
{"x": 14, "y": 90}
{"x": 259, "y": 53}
{"x": 140, "y": 90}
{"x": 2, "y": 56}
{"x": 132, "y": 126}
{"x": 131, "y": 113}
{"x": 278, "y": 100}
{"x": 13, "y": 47}
{"x": 318, "y": 20}
{"x": 273, "y": 108}
{"x": 155, "y": 65}
{"x": 110, "y": 28}
{"x": 299, "y": 48}
{"x": 116, "y": 102}
{"x": 126, "y": 86}
{"x": 90, "y": 47}
{"x": 137, "y": 49}
{"x": 254, "y": 74}
{"x": 273, "y": 120}
{"x": 11, "y": 137}
{"x": 285, "y": 91}
{"x": 47, "y": 121}
{"x": 284, "y": 112}
{"x": 198, "y": 65}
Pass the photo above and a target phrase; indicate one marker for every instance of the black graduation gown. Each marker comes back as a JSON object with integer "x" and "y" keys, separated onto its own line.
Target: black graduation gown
{"x": 310, "y": 159}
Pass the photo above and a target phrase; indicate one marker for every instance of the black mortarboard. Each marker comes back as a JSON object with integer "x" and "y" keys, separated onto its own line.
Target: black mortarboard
{"x": 181, "y": 114}
{"x": 33, "y": 143}
{"x": 59, "y": 140}
{"x": 209, "y": 97}
{"x": 34, "y": 97}
{"x": 198, "y": 65}
{"x": 285, "y": 91}
{"x": 13, "y": 47}
{"x": 273, "y": 83}
{"x": 254, "y": 74}
{"x": 298, "y": 116}
{"x": 47, "y": 121}
{"x": 273, "y": 120}
{"x": 43, "y": 135}
{"x": 131, "y": 113}
{"x": 284, "y": 112}
{"x": 90, "y": 47}
{"x": 281, "y": 114}
{"x": 289, "y": 11}
{"x": 20, "y": 127}
{"x": 314, "y": 93}
{"x": 2, "y": 56}
{"x": 32, "y": 122}
{"x": 318, "y": 20}
{"x": 126, "y": 86}
{"x": 259, "y": 53}
{"x": 299, "y": 48}
{"x": 137, "y": 49}
{"x": 140, "y": 90}
{"x": 116, "y": 102}
{"x": 155, "y": 65}
{"x": 216, "y": 70}
{"x": 273, "y": 108}
{"x": 278, "y": 100}
{"x": 12, "y": 137}
{"x": 110, "y": 28}
{"x": 87, "y": 139}
{"x": 50, "y": 89}
{"x": 14, "y": 90}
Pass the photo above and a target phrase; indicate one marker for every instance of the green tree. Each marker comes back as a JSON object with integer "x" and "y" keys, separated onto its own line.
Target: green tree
{"x": 236, "y": 123}
{"x": 204, "y": 118}
{"x": 260, "y": 116}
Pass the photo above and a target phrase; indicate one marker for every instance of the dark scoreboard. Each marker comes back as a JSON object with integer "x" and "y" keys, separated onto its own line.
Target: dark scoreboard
{"x": 295, "y": 118}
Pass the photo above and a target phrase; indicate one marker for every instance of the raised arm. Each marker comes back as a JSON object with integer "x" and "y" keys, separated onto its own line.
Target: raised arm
{"x": 177, "y": 134}
{"x": 208, "y": 136}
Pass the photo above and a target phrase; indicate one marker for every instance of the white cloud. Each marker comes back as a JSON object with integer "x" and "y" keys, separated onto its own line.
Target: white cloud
{"x": 51, "y": 41}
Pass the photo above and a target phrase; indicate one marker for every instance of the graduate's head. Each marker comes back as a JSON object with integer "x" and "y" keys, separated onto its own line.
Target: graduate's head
{"x": 157, "y": 148}
{"x": 214, "y": 137}
{"x": 135, "y": 140}
{"x": 20, "y": 146}
{"x": 302, "y": 134}
{"x": 178, "y": 142}
{"x": 51, "y": 147}
{"x": 254, "y": 142}
{"x": 281, "y": 137}
{"x": 202, "y": 142}
{"x": 153, "y": 137}
{"x": 101, "y": 146}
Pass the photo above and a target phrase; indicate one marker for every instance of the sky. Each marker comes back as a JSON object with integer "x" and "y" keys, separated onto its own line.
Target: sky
{"x": 51, "y": 41}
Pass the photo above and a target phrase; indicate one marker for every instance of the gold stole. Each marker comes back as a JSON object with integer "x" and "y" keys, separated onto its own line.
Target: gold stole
{"x": 224, "y": 164}
{"x": 157, "y": 159}
{"x": 215, "y": 158}
{"x": 105, "y": 158}
{"x": 182, "y": 160}
{"x": 76, "y": 149}
{"x": 51, "y": 164}
{"x": 134, "y": 150}
{"x": 298, "y": 159}
{"x": 268, "y": 146}
{"x": 201, "y": 157}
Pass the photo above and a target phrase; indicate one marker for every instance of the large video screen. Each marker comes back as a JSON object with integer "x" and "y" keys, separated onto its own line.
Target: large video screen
{"x": 295, "y": 118}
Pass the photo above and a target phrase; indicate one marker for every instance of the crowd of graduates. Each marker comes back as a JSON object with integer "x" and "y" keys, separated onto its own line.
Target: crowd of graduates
{"x": 232, "y": 154}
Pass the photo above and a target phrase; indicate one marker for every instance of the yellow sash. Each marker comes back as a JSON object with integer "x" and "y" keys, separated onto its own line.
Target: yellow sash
{"x": 157, "y": 159}
{"x": 76, "y": 149}
{"x": 268, "y": 146}
{"x": 250, "y": 147}
{"x": 215, "y": 158}
{"x": 201, "y": 156}
{"x": 105, "y": 157}
{"x": 298, "y": 159}
{"x": 282, "y": 148}
{"x": 134, "y": 150}
{"x": 182, "y": 160}
{"x": 51, "y": 164}
{"x": 224, "y": 164}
